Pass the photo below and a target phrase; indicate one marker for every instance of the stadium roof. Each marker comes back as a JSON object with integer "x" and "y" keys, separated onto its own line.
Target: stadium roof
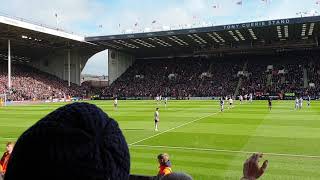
{"x": 262, "y": 36}
{"x": 30, "y": 40}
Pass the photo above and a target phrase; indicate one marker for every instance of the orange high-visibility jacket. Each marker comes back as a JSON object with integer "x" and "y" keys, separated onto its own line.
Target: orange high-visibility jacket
{"x": 4, "y": 162}
{"x": 164, "y": 170}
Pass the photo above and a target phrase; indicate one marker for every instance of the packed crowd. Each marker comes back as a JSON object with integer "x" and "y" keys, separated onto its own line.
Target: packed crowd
{"x": 179, "y": 77}
{"x": 198, "y": 77}
{"x": 176, "y": 78}
{"x": 275, "y": 77}
{"x": 256, "y": 79}
{"x": 289, "y": 80}
{"x": 314, "y": 76}
{"x": 31, "y": 84}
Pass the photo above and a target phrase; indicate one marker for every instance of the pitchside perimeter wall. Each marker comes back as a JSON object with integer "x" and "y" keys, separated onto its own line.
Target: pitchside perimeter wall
{"x": 118, "y": 63}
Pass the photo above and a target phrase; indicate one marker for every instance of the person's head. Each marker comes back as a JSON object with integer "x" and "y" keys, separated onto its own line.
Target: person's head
{"x": 163, "y": 158}
{"x": 77, "y": 141}
{"x": 176, "y": 176}
{"x": 157, "y": 109}
{"x": 9, "y": 147}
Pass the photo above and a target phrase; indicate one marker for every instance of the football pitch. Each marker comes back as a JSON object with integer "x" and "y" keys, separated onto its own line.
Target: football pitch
{"x": 200, "y": 140}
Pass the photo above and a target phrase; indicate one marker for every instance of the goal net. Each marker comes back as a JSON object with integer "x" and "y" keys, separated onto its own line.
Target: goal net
{"x": 3, "y": 99}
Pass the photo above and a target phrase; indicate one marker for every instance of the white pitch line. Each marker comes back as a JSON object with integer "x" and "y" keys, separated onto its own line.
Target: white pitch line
{"x": 8, "y": 138}
{"x": 226, "y": 151}
{"x": 172, "y": 129}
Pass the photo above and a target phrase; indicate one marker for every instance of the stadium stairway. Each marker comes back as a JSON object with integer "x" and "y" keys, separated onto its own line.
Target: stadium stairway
{"x": 236, "y": 93}
{"x": 269, "y": 80}
{"x": 305, "y": 78}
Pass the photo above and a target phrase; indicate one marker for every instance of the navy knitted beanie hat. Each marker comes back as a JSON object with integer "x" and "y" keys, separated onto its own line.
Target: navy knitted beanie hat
{"x": 75, "y": 142}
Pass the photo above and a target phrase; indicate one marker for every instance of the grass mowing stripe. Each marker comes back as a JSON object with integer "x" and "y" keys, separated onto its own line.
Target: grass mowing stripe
{"x": 226, "y": 151}
{"x": 184, "y": 124}
{"x": 248, "y": 127}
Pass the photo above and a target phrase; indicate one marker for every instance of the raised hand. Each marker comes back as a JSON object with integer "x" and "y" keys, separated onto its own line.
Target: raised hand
{"x": 251, "y": 169}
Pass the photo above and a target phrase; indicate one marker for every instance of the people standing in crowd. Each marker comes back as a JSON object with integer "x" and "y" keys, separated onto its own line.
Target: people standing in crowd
{"x": 30, "y": 84}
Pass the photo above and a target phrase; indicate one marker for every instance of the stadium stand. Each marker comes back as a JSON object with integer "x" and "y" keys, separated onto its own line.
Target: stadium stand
{"x": 313, "y": 71}
{"x": 256, "y": 79}
{"x": 207, "y": 77}
{"x": 31, "y": 84}
{"x": 274, "y": 75}
{"x": 180, "y": 77}
{"x": 268, "y": 58}
{"x": 198, "y": 62}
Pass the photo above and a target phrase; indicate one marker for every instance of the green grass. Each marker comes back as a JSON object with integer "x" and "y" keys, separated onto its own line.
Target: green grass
{"x": 192, "y": 147}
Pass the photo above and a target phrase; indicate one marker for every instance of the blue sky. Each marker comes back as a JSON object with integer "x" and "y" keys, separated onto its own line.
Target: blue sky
{"x": 102, "y": 17}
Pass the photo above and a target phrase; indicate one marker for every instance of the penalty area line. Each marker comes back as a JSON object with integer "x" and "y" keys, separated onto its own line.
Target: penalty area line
{"x": 226, "y": 151}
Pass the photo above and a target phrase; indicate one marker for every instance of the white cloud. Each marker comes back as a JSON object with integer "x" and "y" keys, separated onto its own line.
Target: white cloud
{"x": 70, "y": 12}
{"x": 175, "y": 15}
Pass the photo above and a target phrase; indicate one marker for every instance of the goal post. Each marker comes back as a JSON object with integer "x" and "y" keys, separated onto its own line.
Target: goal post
{"x": 3, "y": 99}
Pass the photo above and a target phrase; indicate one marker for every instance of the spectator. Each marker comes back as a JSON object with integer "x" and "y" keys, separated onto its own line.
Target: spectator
{"x": 164, "y": 164}
{"x": 75, "y": 142}
{"x": 202, "y": 77}
{"x": 5, "y": 158}
{"x": 251, "y": 169}
{"x": 178, "y": 77}
{"x": 29, "y": 83}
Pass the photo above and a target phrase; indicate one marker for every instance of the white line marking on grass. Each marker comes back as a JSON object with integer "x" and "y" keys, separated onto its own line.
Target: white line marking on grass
{"x": 226, "y": 151}
{"x": 184, "y": 124}
{"x": 177, "y": 127}
{"x": 8, "y": 138}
